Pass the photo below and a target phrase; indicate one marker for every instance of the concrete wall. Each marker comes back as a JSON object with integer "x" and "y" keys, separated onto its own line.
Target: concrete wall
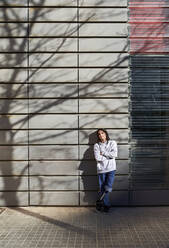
{"x": 63, "y": 74}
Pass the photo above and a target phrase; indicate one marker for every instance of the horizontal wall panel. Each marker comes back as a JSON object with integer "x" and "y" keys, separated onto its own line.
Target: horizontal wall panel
{"x": 50, "y": 168}
{"x": 155, "y": 30}
{"x": 145, "y": 46}
{"x": 54, "y": 198}
{"x": 148, "y": 14}
{"x": 86, "y": 152}
{"x": 104, "y": 121}
{"x": 53, "y": 137}
{"x": 13, "y": 45}
{"x": 149, "y": 122}
{"x": 52, "y": 60}
{"x": 87, "y": 167}
{"x": 116, "y": 198}
{"x": 14, "y": 122}
{"x": 91, "y": 183}
{"x": 150, "y": 151}
{"x": 103, "y": 45}
{"x": 122, "y": 166}
{"x": 148, "y": 95}
{"x": 57, "y": 3}
{"x": 53, "y": 90}
{"x": 53, "y": 152}
{"x": 53, "y": 121}
{"x": 149, "y": 75}
{"x": 49, "y": 106}
{"x": 53, "y": 75}
{"x": 14, "y": 199}
{"x": 54, "y": 183}
{"x": 102, "y": 14}
{"x": 13, "y": 60}
{"x": 13, "y": 30}
{"x": 103, "y": 75}
{"x": 103, "y": 90}
{"x": 115, "y": 3}
{"x": 52, "y": 44}
{"x": 13, "y": 14}
{"x": 13, "y": 90}
{"x": 103, "y": 105}
{"x": 121, "y": 183}
{"x": 53, "y": 14}
{"x": 13, "y": 168}
{"x": 149, "y": 61}
{"x": 13, "y": 153}
{"x": 103, "y": 29}
{"x": 150, "y": 136}
{"x": 119, "y": 198}
{"x": 140, "y": 105}
{"x": 13, "y": 137}
{"x": 109, "y": 60}
{"x": 14, "y": 106}
{"x": 151, "y": 175}
{"x": 53, "y": 29}
{"x": 13, "y": 75}
{"x": 13, "y": 183}
{"x": 14, "y": 3}
{"x": 90, "y": 137}
{"x": 156, "y": 3}
{"x": 150, "y": 197}
{"x": 144, "y": 91}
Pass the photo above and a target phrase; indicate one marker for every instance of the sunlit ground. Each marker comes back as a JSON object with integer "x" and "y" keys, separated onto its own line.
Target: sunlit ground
{"x": 70, "y": 227}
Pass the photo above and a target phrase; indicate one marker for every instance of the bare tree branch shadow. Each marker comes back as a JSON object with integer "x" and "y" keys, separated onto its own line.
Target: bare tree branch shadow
{"x": 55, "y": 222}
{"x": 16, "y": 89}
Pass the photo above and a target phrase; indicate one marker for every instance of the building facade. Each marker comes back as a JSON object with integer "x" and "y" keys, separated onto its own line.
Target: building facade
{"x": 68, "y": 67}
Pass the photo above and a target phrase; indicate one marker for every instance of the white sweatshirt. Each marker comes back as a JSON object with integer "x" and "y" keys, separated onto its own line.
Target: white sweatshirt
{"x": 105, "y": 162}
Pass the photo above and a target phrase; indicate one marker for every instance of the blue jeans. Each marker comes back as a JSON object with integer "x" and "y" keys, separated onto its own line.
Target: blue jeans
{"x": 105, "y": 183}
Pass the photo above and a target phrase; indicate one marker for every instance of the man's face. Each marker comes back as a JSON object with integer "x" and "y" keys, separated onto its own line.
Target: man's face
{"x": 102, "y": 136}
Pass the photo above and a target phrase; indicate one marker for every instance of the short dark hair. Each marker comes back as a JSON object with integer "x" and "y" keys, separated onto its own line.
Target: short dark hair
{"x": 101, "y": 129}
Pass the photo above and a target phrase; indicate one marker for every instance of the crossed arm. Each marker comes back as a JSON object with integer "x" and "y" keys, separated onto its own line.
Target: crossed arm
{"x": 101, "y": 156}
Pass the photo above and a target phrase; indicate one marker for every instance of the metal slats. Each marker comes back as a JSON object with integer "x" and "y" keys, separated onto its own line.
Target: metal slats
{"x": 149, "y": 98}
{"x": 149, "y": 121}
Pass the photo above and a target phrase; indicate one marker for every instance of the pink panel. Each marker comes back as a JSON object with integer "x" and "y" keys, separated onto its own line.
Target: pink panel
{"x": 149, "y": 26}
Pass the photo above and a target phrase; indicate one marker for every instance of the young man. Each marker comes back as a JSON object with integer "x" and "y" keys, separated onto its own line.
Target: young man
{"x": 105, "y": 152}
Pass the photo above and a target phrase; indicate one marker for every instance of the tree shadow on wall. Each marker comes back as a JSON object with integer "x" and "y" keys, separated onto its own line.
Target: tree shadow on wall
{"x": 22, "y": 82}
{"x": 88, "y": 171}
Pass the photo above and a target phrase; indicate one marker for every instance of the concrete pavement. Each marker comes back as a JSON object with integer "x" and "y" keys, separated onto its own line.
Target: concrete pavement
{"x": 73, "y": 227}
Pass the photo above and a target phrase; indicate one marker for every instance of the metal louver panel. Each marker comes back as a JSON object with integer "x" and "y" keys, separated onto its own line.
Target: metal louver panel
{"x": 149, "y": 94}
{"x": 149, "y": 108}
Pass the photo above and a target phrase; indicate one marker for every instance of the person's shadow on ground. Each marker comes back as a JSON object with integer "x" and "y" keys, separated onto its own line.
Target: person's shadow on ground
{"x": 88, "y": 172}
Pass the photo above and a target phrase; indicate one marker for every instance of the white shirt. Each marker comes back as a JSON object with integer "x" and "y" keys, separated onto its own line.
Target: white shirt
{"x": 105, "y": 162}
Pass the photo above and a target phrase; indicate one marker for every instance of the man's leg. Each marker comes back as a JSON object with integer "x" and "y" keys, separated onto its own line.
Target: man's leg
{"x": 109, "y": 179}
{"x": 101, "y": 178}
{"x": 100, "y": 201}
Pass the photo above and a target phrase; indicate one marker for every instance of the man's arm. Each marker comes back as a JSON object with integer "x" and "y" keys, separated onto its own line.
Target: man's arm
{"x": 113, "y": 152}
{"x": 97, "y": 154}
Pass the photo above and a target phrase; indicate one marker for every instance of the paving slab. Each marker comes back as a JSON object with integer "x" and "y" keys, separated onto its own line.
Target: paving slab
{"x": 84, "y": 227}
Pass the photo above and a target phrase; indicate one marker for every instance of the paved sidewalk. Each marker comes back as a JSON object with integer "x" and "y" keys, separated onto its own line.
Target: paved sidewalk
{"x": 68, "y": 227}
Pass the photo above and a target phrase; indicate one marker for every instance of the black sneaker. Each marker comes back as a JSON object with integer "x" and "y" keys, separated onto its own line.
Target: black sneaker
{"x": 100, "y": 205}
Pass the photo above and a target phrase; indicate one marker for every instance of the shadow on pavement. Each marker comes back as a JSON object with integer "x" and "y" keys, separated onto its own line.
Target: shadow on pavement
{"x": 61, "y": 224}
